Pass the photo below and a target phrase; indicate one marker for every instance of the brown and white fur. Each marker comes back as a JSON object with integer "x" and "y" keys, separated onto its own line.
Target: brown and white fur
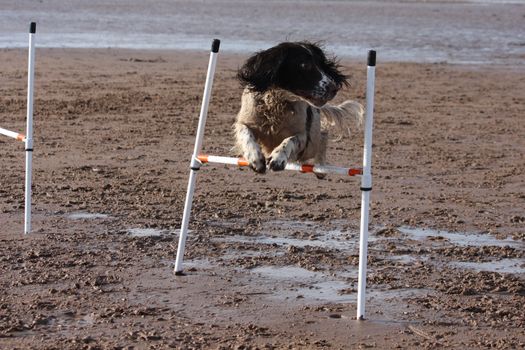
{"x": 284, "y": 116}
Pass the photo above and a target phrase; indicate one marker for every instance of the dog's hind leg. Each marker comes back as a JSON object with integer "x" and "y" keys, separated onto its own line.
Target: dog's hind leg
{"x": 250, "y": 150}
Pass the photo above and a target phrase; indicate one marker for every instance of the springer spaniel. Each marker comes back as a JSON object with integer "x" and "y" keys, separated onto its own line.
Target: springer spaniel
{"x": 284, "y": 116}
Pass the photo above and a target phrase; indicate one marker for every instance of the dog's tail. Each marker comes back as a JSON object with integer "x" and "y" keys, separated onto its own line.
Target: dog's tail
{"x": 342, "y": 116}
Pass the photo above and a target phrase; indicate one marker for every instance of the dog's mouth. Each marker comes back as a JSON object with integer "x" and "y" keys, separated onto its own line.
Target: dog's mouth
{"x": 320, "y": 94}
{"x": 318, "y": 100}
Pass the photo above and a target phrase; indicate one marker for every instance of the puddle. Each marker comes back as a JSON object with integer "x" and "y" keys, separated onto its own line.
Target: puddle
{"x": 64, "y": 321}
{"x": 85, "y": 215}
{"x": 87, "y": 320}
{"x": 327, "y": 291}
{"x": 284, "y": 230}
{"x": 460, "y": 239}
{"x": 516, "y": 266}
{"x": 395, "y": 294}
{"x": 352, "y": 273}
{"x": 290, "y": 224}
{"x": 282, "y": 241}
{"x": 304, "y": 284}
{"x": 405, "y": 259}
{"x": 296, "y": 283}
{"x": 146, "y": 232}
{"x": 333, "y": 239}
{"x": 287, "y": 273}
{"x": 249, "y": 254}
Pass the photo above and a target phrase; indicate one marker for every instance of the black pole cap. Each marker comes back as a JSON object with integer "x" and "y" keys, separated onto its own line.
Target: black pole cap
{"x": 371, "y": 58}
{"x": 215, "y": 45}
{"x": 32, "y": 28}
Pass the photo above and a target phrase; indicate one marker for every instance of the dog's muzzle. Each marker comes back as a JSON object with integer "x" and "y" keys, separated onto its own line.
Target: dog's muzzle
{"x": 322, "y": 95}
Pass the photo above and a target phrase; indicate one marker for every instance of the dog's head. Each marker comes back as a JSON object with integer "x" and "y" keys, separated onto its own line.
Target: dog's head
{"x": 299, "y": 67}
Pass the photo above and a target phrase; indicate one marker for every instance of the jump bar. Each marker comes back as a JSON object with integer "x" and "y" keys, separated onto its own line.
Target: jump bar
{"x": 303, "y": 168}
{"x": 15, "y": 135}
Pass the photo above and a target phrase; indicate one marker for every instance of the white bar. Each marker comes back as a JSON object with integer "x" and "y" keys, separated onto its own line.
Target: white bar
{"x": 195, "y": 164}
{"x": 12, "y": 134}
{"x": 29, "y": 132}
{"x": 223, "y": 160}
{"x": 366, "y": 184}
{"x": 321, "y": 169}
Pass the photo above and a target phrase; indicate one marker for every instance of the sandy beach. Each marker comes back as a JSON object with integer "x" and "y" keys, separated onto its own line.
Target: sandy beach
{"x": 271, "y": 260}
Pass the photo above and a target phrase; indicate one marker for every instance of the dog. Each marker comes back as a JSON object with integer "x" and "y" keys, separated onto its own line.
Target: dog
{"x": 284, "y": 115}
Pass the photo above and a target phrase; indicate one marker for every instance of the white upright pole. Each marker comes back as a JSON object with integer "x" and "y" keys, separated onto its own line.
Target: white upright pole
{"x": 29, "y": 130}
{"x": 195, "y": 164}
{"x": 366, "y": 185}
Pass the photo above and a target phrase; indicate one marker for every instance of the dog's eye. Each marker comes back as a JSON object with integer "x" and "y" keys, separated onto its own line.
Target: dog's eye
{"x": 305, "y": 66}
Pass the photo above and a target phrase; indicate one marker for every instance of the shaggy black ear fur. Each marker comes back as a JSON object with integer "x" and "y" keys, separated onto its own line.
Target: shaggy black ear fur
{"x": 260, "y": 70}
{"x": 330, "y": 64}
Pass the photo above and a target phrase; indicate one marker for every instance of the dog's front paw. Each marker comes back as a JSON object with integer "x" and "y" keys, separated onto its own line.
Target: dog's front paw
{"x": 319, "y": 175}
{"x": 258, "y": 164}
{"x": 277, "y": 162}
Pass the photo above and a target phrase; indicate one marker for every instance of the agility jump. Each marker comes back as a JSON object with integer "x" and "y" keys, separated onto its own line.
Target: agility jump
{"x": 366, "y": 177}
{"x": 303, "y": 168}
{"x": 28, "y": 137}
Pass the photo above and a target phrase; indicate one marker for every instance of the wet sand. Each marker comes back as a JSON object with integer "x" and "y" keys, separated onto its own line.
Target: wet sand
{"x": 271, "y": 260}
{"x": 489, "y": 32}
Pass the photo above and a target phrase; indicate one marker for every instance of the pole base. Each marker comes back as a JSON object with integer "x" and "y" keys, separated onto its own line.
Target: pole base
{"x": 179, "y": 273}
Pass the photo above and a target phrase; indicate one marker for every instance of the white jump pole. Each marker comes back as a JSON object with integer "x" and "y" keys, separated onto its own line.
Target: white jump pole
{"x": 303, "y": 168}
{"x": 195, "y": 164}
{"x": 366, "y": 185}
{"x": 29, "y": 131}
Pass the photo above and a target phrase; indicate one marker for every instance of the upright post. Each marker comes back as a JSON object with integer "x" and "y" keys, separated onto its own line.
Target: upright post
{"x": 366, "y": 185}
{"x": 195, "y": 164}
{"x": 29, "y": 130}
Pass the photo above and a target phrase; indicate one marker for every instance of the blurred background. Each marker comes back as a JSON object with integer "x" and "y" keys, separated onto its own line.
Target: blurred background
{"x": 431, "y": 31}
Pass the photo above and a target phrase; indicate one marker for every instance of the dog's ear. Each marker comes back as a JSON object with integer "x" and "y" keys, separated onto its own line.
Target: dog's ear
{"x": 333, "y": 69}
{"x": 259, "y": 72}
{"x": 330, "y": 64}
